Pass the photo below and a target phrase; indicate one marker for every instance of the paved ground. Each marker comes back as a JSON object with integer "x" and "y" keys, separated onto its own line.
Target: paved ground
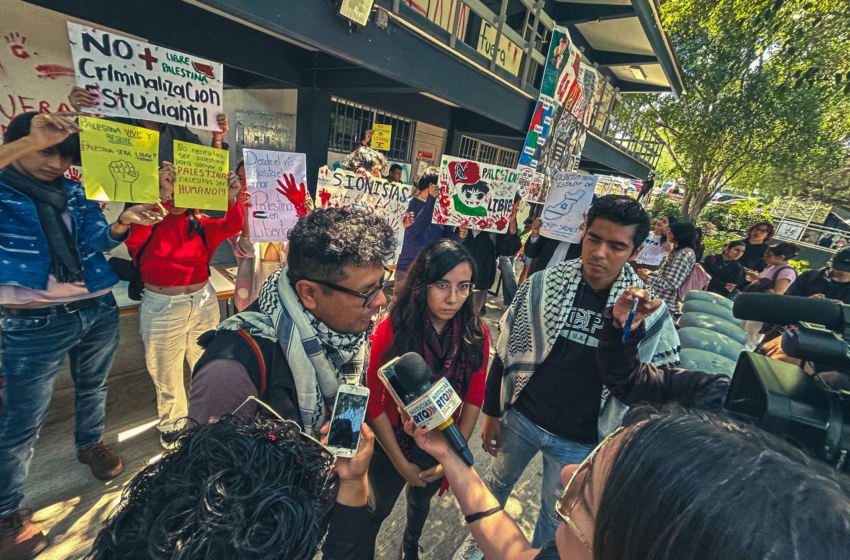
{"x": 70, "y": 504}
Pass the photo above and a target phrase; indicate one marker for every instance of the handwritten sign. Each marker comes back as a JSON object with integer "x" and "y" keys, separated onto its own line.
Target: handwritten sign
{"x": 569, "y": 198}
{"x": 475, "y": 195}
{"x": 277, "y": 182}
{"x": 339, "y": 188}
{"x": 120, "y": 161}
{"x": 143, "y": 81}
{"x": 201, "y": 177}
{"x": 382, "y": 135}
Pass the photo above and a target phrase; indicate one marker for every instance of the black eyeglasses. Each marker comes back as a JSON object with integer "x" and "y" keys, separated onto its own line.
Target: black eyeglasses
{"x": 368, "y": 297}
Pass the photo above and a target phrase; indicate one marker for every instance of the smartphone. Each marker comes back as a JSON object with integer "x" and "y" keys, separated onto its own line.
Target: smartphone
{"x": 348, "y": 415}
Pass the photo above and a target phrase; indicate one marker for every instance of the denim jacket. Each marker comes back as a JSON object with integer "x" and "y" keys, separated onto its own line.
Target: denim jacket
{"x": 24, "y": 253}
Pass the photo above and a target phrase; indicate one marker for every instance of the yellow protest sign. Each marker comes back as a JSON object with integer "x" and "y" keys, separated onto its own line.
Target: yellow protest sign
{"x": 382, "y": 134}
{"x": 120, "y": 162}
{"x": 201, "y": 176}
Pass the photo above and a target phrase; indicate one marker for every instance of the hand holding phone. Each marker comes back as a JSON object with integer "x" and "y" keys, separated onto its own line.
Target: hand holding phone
{"x": 349, "y": 412}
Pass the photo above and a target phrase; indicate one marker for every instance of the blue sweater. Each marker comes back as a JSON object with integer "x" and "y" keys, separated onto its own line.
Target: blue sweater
{"x": 422, "y": 233}
{"x": 24, "y": 253}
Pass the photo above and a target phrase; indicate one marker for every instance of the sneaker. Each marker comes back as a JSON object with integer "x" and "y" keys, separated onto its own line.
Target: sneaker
{"x": 409, "y": 552}
{"x": 169, "y": 440}
{"x": 20, "y": 539}
{"x": 468, "y": 551}
{"x": 104, "y": 463}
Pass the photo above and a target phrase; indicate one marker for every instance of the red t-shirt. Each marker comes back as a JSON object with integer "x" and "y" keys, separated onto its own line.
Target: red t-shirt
{"x": 173, "y": 258}
{"x": 380, "y": 399}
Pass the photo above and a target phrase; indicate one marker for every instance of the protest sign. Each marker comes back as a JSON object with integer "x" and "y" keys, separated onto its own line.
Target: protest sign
{"x": 201, "y": 176}
{"x": 120, "y": 162}
{"x": 382, "y": 135}
{"x": 570, "y": 195}
{"x": 138, "y": 80}
{"x": 556, "y": 61}
{"x": 277, "y": 182}
{"x": 339, "y": 188}
{"x": 475, "y": 195}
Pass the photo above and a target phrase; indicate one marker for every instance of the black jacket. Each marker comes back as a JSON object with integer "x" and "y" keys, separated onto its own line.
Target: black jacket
{"x": 485, "y": 251}
{"x": 543, "y": 250}
{"x": 817, "y": 281}
{"x": 632, "y": 381}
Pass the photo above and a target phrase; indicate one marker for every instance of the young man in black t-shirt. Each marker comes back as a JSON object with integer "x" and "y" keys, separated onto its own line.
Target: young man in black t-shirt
{"x": 545, "y": 371}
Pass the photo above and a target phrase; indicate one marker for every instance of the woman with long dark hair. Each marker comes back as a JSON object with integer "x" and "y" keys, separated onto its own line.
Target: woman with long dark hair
{"x": 179, "y": 303}
{"x": 758, "y": 237}
{"x": 727, "y": 274}
{"x": 667, "y": 280}
{"x": 434, "y": 316}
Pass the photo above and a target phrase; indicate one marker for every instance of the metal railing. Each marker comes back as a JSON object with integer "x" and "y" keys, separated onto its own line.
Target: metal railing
{"x": 525, "y": 32}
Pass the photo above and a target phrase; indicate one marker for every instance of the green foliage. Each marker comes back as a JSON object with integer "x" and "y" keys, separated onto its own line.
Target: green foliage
{"x": 800, "y": 266}
{"x": 736, "y": 217}
{"x": 715, "y": 243}
{"x": 663, "y": 205}
{"x": 766, "y": 83}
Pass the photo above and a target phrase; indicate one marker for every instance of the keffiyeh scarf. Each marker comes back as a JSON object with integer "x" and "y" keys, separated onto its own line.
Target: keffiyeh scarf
{"x": 320, "y": 359}
{"x": 532, "y": 324}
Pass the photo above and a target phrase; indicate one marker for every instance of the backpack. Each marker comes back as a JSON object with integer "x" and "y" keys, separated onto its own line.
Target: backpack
{"x": 698, "y": 279}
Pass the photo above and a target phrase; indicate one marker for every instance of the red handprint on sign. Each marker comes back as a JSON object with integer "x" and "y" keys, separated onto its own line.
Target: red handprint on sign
{"x": 501, "y": 223}
{"x": 297, "y": 195}
{"x": 325, "y": 197}
{"x": 16, "y": 43}
{"x": 74, "y": 174}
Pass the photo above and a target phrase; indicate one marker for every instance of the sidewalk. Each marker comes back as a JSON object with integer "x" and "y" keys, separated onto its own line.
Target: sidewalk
{"x": 70, "y": 504}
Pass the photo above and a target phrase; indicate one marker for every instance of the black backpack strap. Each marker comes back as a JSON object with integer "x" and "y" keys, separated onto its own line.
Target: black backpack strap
{"x": 137, "y": 259}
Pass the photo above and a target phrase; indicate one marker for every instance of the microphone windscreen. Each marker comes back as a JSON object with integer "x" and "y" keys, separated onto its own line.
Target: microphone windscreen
{"x": 413, "y": 372}
{"x": 785, "y": 310}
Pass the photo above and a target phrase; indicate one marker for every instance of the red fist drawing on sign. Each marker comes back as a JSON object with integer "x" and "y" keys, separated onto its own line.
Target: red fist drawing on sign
{"x": 297, "y": 195}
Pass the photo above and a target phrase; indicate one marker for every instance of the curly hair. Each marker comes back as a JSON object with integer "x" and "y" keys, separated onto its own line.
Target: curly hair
{"x": 411, "y": 304}
{"x": 255, "y": 489}
{"x": 365, "y": 158}
{"x": 327, "y": 240}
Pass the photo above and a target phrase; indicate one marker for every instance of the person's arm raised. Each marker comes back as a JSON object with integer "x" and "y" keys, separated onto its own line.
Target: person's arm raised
{"x": 45, "y": 131}
{"x": 497, "y": 534}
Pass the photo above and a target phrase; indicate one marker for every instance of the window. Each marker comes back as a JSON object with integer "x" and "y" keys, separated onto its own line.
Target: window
{"x": 350, "y": 120}
{"x": 485, "y": 152}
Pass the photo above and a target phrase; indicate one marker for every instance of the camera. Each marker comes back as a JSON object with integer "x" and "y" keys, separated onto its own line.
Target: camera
{"x": 812, "y": 410}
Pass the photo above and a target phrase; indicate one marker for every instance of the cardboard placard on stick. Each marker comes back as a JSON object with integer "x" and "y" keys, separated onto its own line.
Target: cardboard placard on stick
{"x": 120, "y": 162}
{"x": 570, "y": 195}
{"x": 339, "y": 188}
{"x": 277, "y": 182}
{"x": 476, "y": 195}
{"x": 201, "y": 176}
{"x": 139, "y": 80}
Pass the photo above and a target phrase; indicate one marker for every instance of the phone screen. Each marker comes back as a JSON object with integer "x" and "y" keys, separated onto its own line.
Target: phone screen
{"x": 349, "y": 412}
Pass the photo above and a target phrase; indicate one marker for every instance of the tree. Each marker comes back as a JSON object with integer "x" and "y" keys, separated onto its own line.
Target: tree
{"x": 765, "y": 91}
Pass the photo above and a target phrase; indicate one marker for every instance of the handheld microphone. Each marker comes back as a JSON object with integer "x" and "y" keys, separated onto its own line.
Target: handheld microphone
{"x": 408, "y": 379}
{"x": 785, "y": 310}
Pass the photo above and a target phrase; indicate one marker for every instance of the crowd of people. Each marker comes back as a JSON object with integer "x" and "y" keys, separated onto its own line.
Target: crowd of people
{"x": 246, "y": 473}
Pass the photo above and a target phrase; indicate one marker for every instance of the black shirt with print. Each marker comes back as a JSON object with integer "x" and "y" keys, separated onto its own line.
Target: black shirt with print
{"x": 564, "y": 394}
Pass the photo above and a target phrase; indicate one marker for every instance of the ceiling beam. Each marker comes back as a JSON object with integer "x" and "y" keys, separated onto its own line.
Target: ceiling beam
{"x": 612, "y": 58}
{"x": 635, "y": 87}
{"x": 571, "y": 13}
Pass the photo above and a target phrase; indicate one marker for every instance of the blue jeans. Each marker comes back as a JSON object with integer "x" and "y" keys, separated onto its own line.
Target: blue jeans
{"x": 521, "y": 440}
{"x": 509, "y": 286}
{"x": 32, "y": 350}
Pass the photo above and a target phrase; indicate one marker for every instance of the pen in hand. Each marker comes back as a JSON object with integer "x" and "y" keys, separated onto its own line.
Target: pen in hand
{"x": 628, "y": 326}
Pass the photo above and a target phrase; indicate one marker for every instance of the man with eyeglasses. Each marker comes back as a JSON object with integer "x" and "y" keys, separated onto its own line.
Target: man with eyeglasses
{"x": 306, "y": 333}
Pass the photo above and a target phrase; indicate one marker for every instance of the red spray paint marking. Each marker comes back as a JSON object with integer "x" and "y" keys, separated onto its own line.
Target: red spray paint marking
{"x": 53, "y": 71}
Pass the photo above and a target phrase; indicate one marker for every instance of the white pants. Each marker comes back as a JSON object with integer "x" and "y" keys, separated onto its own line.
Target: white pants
{"x": 170, "y": 327}
{"x": 752, "y": 329}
